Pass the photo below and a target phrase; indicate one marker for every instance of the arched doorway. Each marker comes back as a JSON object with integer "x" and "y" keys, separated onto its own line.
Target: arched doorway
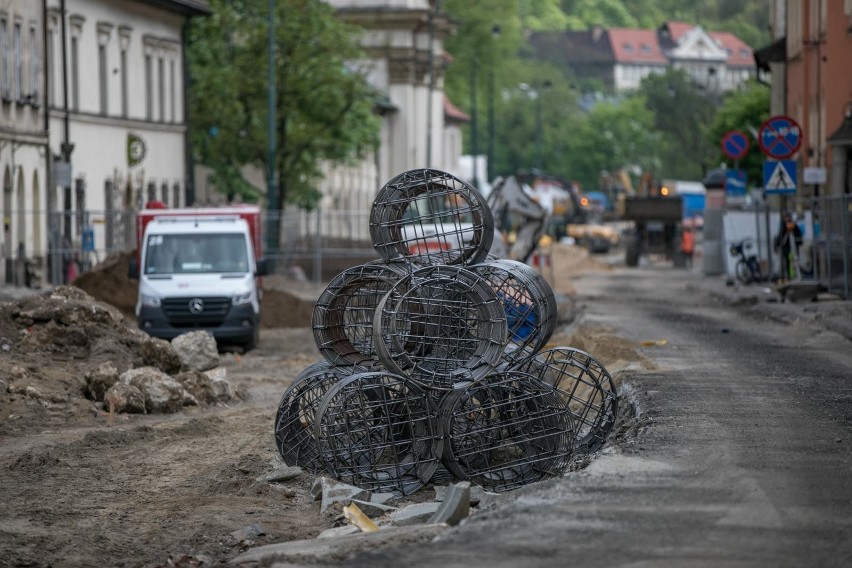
{"x": 6, "y": 264}
{"x": 21, "y": 223}
{"x": 37, "y": 216}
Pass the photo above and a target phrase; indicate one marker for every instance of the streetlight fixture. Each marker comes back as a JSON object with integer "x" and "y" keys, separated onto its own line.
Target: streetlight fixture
{"x": 495, "y": 34}
{"x": 535, "y": 92}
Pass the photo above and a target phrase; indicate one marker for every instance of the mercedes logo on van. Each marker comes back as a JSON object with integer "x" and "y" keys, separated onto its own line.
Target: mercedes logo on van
{"x": 196, "y": 306}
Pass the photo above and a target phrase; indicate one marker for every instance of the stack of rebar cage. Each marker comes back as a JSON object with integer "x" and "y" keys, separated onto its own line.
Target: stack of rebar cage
{"x": 433, "y": 358}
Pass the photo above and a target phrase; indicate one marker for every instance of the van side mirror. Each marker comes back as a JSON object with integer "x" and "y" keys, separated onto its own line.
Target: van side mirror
{"x": 262, "y": 267}
{"x": 132, "y": 269}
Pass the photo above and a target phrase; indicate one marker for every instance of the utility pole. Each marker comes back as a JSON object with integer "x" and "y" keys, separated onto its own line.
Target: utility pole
{"x": 473, "y": 121}
{"x": 495, "y": 33}
{"x": 273, "y": 209}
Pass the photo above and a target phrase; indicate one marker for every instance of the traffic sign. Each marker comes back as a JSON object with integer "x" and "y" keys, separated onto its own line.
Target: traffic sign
{"x": 780, "y": 137}
{"x": 779, "y": 177}
{"x": 735, "y": 182}
{"x": 735, "y": 144}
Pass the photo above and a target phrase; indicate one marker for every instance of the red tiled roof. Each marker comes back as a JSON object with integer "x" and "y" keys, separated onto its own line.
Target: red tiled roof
{"x": 678, "y": 29}
{"x": 636, "y": 46}
{"x": 739, "y": 53}
{"x": 453, "y": 113}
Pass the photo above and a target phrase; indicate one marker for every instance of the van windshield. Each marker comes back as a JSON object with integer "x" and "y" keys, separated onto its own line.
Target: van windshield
{"x": 196, "y": 254}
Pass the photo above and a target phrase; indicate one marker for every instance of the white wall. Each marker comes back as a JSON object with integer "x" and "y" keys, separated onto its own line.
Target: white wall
{"x": 100, "y": 135}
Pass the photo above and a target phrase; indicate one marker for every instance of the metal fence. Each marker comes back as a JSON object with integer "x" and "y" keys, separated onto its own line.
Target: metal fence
{"x": 55, "y": 246}
{"x": 831, "y": 225}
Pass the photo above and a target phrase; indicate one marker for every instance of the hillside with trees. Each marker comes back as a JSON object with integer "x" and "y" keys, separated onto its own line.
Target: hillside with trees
{"x": 585, "y": 130}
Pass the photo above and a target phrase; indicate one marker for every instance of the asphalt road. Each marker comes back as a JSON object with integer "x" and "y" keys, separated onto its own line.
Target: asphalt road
{"x": 743, "y": 455}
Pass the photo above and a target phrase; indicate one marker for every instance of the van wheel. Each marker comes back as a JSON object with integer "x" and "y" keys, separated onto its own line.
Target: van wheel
{"x": 252, "y": 343}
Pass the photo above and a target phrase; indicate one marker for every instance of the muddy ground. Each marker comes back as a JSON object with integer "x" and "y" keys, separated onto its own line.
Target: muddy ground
{"x": 83, "y": 486}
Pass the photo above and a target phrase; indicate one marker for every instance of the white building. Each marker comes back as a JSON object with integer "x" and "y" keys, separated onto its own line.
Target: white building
{"x": 115, "y": 78}
{"x": 23, "y": 135}
{"x": 404, "y": 60}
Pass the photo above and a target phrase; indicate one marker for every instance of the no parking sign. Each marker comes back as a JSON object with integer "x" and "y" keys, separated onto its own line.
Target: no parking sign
{"x": 780, "y": 137}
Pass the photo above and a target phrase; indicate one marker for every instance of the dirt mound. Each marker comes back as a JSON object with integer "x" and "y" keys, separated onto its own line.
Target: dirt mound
{"x": 50, "y": 343}
{"x": 288, "y": 302}
{"x": 108, "y": 282}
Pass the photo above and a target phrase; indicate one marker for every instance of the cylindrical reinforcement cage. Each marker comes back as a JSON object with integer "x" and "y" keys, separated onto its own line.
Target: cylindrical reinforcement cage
{"x": 439, "y": 326}
{"x": 294, "y": 421}
{"x": 585, "y": 386}
{"x": 377, "y": 431}
{"x": 431, "y": 217}
{"x": 508, "y": 430}
{"x": 343, "y": 315}
{"x": 529, "y": 303}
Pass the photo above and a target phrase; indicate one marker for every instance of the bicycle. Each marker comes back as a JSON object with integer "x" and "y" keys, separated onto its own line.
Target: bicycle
{"x": 747, "y": 269}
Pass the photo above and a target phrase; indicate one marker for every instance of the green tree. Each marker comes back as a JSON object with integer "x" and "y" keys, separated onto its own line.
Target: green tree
{"x": 682, "y": 111}
{"x": 324, "y": 110}
{"x": 613, "y": 135}
{"x": 743, "y": 110}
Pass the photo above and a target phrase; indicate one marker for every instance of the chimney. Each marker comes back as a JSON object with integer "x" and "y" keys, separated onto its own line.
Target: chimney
{"x": 597, "y": 32}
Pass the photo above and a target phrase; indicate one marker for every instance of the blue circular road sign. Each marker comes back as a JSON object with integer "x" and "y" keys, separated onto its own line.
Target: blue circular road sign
{"x": 735, "y": 144}
{"x": 780, "y": 137}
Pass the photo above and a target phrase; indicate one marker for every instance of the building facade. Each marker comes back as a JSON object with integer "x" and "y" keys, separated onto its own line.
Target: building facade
{"x": 23, "y": 135}
{"x": 403, "y": 43}
{"x": 811, "y": 74}
{"x": 117, "y": 121}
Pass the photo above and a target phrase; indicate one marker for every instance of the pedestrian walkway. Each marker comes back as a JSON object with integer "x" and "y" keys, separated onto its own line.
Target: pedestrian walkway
{"x": 828, "y": 311}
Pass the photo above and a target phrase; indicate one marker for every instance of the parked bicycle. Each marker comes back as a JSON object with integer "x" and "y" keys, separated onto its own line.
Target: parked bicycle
{"x": 747, "y": 269}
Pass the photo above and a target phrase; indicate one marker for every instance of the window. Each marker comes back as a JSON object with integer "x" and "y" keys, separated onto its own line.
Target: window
{"x": 628, "y": 48}
{"x": 176, "y": 193}
{"x": 646, "y": 49}
{"x": 161, "y": 84}
{"x": 4, "y": 46}
{"x": 124, "y": 83}
{"x": 164, "y": 192}
{"x": 19, "y": 62}
{"x": 745, "y": 53}
{"x": 124, "y": 45}
{"x": 104, "y": 34}
{"x": 102, "y": 78}
{"x": 51, "y": 62}
{"x": 149, "y": 89}
{"x": 33, "y": 65}
{"x": 172, "y": 95}
{"x": 75, "y": 74}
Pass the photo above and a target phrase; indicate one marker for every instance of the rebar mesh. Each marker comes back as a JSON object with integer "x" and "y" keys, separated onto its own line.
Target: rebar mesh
{"x": 294, "y": 422}
{"x": 440, "y": 325}
{"x": 585, "y": 385}
{"x": 431, "y": 217}
{"x": 505, "y": 431}
{"x": 377, "y": 431}
{"x": 529, "y": 303}
{"x": 343, "y": 315}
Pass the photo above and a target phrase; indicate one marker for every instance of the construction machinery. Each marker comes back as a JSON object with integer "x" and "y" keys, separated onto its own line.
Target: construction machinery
{"x": 519, "y": 221}
{"x": 656, "y": 213}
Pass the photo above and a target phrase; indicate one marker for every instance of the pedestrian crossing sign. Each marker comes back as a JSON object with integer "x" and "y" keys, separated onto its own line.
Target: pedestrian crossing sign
{"x": 779, "y": 176}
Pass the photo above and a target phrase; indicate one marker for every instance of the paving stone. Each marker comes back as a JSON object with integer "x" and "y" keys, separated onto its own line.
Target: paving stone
{"x": 414, "y": 514}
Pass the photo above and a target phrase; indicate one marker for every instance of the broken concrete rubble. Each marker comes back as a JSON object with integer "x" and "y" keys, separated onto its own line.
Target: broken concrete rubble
{"x": 197, "y": 351}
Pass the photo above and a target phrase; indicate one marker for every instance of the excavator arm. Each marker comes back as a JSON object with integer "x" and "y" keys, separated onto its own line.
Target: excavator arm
{"x": 519, "y": 221}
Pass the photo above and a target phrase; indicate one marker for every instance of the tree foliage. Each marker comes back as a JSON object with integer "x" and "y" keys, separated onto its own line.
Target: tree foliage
{"x": 743, "y": 110}
{"x": 324, "y": 106}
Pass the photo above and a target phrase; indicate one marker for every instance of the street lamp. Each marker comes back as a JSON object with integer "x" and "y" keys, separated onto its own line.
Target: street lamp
{"x": 495, "y": 34}
{"x": 535, "y": 93}
{"x": 474, "y": 144}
